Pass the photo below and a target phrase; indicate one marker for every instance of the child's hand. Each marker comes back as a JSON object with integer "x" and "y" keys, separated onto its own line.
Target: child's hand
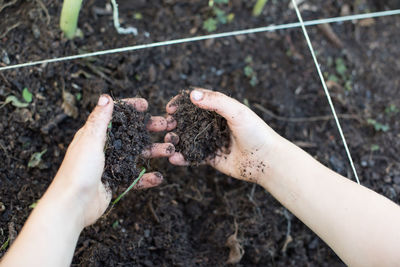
{"x": 82, "y": 168}
{"x": 252, "y": 140}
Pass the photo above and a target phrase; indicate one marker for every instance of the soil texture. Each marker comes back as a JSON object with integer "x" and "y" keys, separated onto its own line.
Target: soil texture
{"x": 126, "y": 140}
{"x": 188, "y": 220}
{"x": 202, "y": 133}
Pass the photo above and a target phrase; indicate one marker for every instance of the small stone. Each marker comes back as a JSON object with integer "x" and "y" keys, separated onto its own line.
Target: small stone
{"x": 36, "y": 31}
{"x": 146, "y": 233}
{"x": 5, "y": 58}
{"x": 396, "y": 180}
{"x": 117, "y": 144}
{"x": 2, "y": 207}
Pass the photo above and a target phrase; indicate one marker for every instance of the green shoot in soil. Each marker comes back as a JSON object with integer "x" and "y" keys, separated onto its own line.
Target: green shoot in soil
{"x": 69, "y": 17}
{"x": 27, "y": 95}
{"x": 5, "y": 245}
{"x": 14, "y": 101}
{"x": 130, "y": 187}
{"x": 258, "y": 7}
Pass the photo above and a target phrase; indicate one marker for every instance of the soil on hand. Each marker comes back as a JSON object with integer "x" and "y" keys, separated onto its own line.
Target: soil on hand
{"x": 202, "y": 134}
{"x": 127, "y": 138}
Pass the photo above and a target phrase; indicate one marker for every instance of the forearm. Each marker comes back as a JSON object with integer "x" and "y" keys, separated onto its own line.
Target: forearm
{"x": 360, "y": 225}
{"x": 50, "y": 234}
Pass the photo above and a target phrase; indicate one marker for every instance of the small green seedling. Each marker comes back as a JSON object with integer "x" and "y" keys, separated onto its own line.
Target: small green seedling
{"x": 249, "y": 71}
{"x": 374, "y": 147}
{"x": 36, "y": 158}
{"x": 69, "y": 17}
{"x": 13, "y": 100}
{"x": 33, "y": 205}
{"x": 378, "y": 126}
{"x": 27, "y": 95}
{"x": 115, "y": 225}
{"x": 210, "y": 24}
{"x": 391, "y": 109}
{"x": 220, "y": 16}
{"x": 5, "y": 244}
{"x": 129, "y": 188}
{"x": 258, "y": 7}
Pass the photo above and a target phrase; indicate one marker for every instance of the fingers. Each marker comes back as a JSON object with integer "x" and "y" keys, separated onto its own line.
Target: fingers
{"x": 149, "y": 180}
{"x": 178, "y": 159}
{"x": 140, "y": 104}
{"x": 157, "y": 124}
{"x": 172, "y": 138}
{"x": 171, "y": 123}
{"x": 97, "y": 123}
{"x": 172, "y": 106}
{"x": 229, "y": 108}
{"x": 159, "y": 150}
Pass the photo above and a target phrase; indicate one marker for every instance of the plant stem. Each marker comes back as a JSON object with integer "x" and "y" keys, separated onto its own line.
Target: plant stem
{"x": 69, "y": 17}
{"x": 258, "y": 7}
{"x": 130, "y": 187}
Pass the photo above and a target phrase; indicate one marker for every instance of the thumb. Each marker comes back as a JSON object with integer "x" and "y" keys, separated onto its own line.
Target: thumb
{"x": 231, "y": 109}
{"x": 97, "y": 123}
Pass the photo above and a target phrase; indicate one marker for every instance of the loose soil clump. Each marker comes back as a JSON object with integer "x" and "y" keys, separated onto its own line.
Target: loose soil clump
{"x": 202, "y": 133}
{"x": 126, "y": 140}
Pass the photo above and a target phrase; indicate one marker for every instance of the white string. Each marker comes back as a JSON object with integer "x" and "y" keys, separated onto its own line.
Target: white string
{"x": 325, "y": 89}
{"x": 205, "y": 37}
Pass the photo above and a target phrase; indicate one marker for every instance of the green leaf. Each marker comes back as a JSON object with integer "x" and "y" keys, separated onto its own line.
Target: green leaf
{"x": 138, "y": 16}
{"x": 15, "y": 102}
{"x": 27, "y": 95}
{"x": 78, "y": 96}
{"x": 33, "y": 205}
{"x": 374, "y": 147}
{"x": 248, "y": 71}
{"x": 341, "y": 66}
{"x": 115, "y": 225}
{"x": 130, "y": 187}
{"x": 333, "y": 78}
{"x": 258, "y": 7}
{"x": 109, "y": 126}
{"x": 378, "y": 126}
{"x": 221, "y": 1}
{"x": 210, "y": 25}
{"x": 5, "y": 244}
{"x": 36, "y": 158}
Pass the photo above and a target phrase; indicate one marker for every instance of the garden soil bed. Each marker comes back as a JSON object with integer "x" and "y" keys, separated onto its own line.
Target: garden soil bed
{"x": 187, "y": 220}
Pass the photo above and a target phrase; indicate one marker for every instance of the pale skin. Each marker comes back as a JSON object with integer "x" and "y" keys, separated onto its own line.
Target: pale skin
{"x": 360, "y": 225}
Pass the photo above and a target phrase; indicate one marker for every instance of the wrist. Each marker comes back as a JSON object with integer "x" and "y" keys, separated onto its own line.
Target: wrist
{"x": 62, "y": 201}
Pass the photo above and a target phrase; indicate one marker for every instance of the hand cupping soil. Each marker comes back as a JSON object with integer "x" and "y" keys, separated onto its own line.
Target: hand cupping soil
{"x": 202, "y": 133}
{"x": 127, "y": 137}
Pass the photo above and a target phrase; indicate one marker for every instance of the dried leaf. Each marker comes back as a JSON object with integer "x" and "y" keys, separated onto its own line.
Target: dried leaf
{"x": 236, "y": 250}
{"x": 69, "y": 105}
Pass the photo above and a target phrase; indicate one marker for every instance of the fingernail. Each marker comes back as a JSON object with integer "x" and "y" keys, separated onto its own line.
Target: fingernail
{"x": 103, "y": 100}
{"x": 197, "y": 95}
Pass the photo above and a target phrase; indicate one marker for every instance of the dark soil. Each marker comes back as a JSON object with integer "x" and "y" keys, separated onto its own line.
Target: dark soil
{"x": 202, "y": 134}
{"x": 127, "y": 138}
{"x": 187, "y": 220}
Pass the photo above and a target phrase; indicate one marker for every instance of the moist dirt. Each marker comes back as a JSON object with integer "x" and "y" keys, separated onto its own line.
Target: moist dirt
{"x": 202, "y": 134}
{"x": 127, "y": 138}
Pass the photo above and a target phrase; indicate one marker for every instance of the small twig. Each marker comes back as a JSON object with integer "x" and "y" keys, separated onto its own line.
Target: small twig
{"x": 289, "y": 238}
{"x": 9, "y": 29}
{"x": 152, "y": 211}
{"x": 308, "y": 119}
{"x": 327, "y": 30}
{"x": 7, "y": 4}
{"x": 46, "y": 11}
{"x": 202, "y": 131}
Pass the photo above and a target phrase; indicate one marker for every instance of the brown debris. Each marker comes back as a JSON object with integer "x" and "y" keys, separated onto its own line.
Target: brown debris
{"x": 236, "y": 250}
